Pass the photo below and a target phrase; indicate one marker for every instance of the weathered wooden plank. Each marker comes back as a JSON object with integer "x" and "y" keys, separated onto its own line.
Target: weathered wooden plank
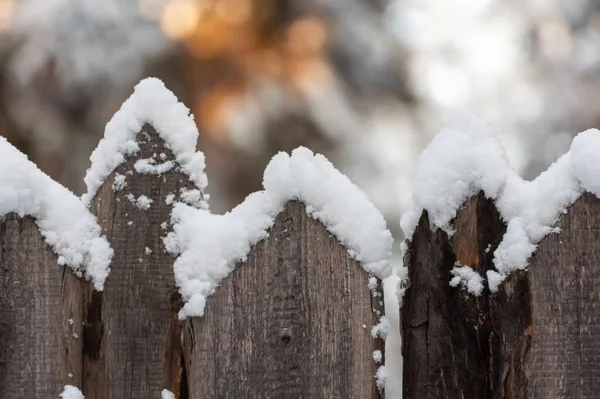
{"x": 455, "y": 344}
{"x": 40, "y": 315}
{"x": 133, "y": 336}
{"x": 537, "y": 337}
{"x": 292, "y": 321}
{"x": 564, "y": 275}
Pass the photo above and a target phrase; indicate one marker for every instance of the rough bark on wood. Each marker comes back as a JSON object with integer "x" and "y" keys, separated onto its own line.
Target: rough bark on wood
{"x": 293, "y": 321}
{"x": 564, "y": 275}
{"x": 455, "y": 344}
{"x": 40, "y": 315}
{"x": 133, "y": 336}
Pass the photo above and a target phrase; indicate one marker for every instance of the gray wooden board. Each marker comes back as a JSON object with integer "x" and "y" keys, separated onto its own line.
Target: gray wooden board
{"x": 40, "y": 315}
{"x": 288, "y": 322}
{"x": 134, "y": 337}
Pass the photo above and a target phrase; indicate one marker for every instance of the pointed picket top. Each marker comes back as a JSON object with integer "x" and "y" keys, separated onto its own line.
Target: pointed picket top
{"x": 473, "y": 223}
{"x": 146, "y": 162}
{"x": 150, "y": 104}
{"x": 210, "y": 245}
{"x": 294, "y": 279}
{"x": 62, "y": 219}
{"x": 467, "y": 158}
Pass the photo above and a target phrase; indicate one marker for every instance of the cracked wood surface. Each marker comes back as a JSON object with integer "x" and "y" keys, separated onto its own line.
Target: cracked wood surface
{"x": 133, "y": 336}
{"x": 40, "y": 315}
{"x": 454, "y": 344}
{"x": 288, "y": 322}
{"x": 537, "y": 337}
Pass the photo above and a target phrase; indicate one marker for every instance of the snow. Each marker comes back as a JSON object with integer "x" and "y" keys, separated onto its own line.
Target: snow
{"x": 585, "y": 160}
{"x": 154, "y": 104}
{"x": 166, "y": 394}
{"x": 142, "y": 202}
{"x": 209, "y": 246}
{"x": 467, "y": 277}
{"x": 494, "y": 279}
{"x": 381, "y": 377}
{"x": 63, "y": 220}
{"x": 120, "y": 182}
{"x": 463, "y": 159}
{"x": 193, "y": 198}
{"x": 466, "y": 158}
{"x": 377, "y": 356}
{"x": 71, "y": 392}
{"x": 381, "y": 329}
{"x": 402, "y": 284}
{"x": 149, "y": 166}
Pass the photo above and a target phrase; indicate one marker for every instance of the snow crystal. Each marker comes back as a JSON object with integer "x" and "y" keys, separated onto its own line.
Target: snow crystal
{"x": 163, "y": 225}
{"x": 71, "y": 392}
{"x": 210, "y": 245}
{"x": 166, "y": 394}
{"x": 119, "y": 182}
{"x": 381, "y": 329}
{"x": 466, "y": 158}
{"x": 147, "y": 251}
{"x": 149, "y": 166}
{"x": 154, "y": 104}
{"x": 381, "y": 377}
{"x": 142, "y": 202}
{"x": 63, "y": 220}
{"x": 467, "y": 277}
{"x": 162, "y": 156}
{"x": 377, "y": 356}
{"x": 169, "y": 199}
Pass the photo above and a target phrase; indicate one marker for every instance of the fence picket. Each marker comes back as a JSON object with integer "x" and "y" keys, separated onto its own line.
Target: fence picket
{"x": 139, "y": 339}
{"x": 294, "y": 320}
{"x": 40, "y": 315}
{"x": 564, "y": 276}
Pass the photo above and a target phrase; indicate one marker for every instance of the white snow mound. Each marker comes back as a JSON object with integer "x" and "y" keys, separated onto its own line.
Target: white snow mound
{"x": 209, "y": 246}
{"x": 152, "y": 103}
{"x": 62, "y": 218}
{"x": 466, "y": 158}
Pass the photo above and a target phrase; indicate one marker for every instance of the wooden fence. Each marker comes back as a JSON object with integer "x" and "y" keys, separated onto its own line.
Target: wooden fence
{"x": 295, "y": 319}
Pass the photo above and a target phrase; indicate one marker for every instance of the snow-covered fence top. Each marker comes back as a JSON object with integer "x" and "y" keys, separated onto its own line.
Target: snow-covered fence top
{"x": 281, "y": 297}
{"x": 501, "y": 289}
{"x": 43, "y": 229}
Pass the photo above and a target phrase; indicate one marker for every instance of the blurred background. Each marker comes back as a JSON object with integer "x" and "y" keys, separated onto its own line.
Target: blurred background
{"x": 365, "y": 82}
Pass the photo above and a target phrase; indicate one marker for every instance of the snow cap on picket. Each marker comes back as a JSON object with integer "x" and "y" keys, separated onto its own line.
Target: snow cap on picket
{"x": 151, "y": 103}
{"x": 63, "y": 220}
{"x": 467, "y": 158}
{"x": 209, "y": 246}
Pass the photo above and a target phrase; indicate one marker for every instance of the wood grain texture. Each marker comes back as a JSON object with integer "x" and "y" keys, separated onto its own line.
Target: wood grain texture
{"x": 455, "y": 344}
{"x": 293, "y": 321}
{"x": 40, "y": 315}
{"x": 133, "y": 337}
{"x": 565, "y": 285}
